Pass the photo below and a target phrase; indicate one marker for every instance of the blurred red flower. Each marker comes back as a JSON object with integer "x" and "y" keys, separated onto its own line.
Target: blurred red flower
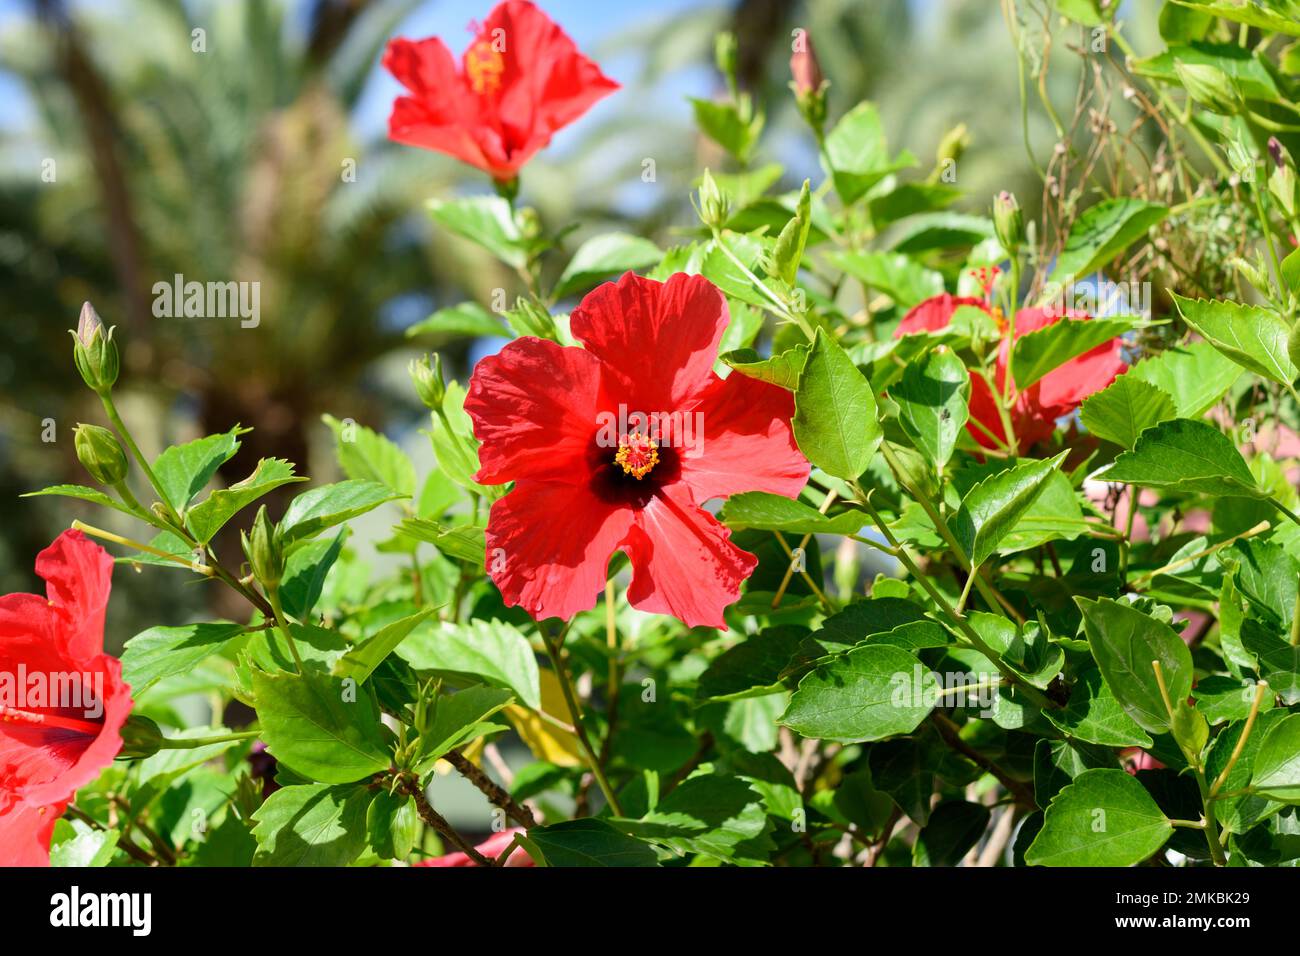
{"x": 51, "y": 746}
{"x": 617, "y": 445}
{"x": 519, "y": 81}
{"x": 491, "y": 848}
{"x": 1037, "y": 408}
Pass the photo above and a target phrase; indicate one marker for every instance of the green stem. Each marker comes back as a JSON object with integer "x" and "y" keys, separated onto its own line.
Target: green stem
{"x": 110, "y": 409}
{"x": 190, "y": 743}
{"x": 139, "y": 546}
{"x": 273, "y": 595}
{"x": 554, "y": 650}
{"x": 782, "y": 309}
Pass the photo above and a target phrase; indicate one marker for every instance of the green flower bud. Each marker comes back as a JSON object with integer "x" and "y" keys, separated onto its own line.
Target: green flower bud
{"x": 952, "y": 145}
{"x": 1283, "y": 180}
{"x": 262, "y": 548}
{"x": 141, "y": 737}
{"x": 1210, "y": 87}
{"x": 1008, "y": 222}
{"x": 427, "y": 377}
{"x": 531, "y": 318}
{"x": 724, "y": 54}
{"x": 713, "y": 203}
{"x": 94, "y": 351}
{"x": 100, "y": 452}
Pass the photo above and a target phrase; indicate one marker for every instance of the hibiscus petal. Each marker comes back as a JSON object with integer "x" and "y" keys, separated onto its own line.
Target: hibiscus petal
{"x": 683, "y": 561}
{"x": 934, "y": 313}
{"x": 744, "y": 441}
{"x": 534, "y": 407}
{"x": 547, "y": 82}
{"x": 25, "y": 833}
{"x": 657, "y": 340}
{"x": 549, "y": 544}
{"x": 425, "y": 67}
{"x": 78, "y": 575}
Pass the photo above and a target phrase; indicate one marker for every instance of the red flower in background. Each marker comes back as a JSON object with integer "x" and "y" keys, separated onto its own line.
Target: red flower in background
{"x": 519, "y": 81}
{"x": 544, "y": 414}
{"x": 1036, "y": 409}
{"x": 491, "y": 848}
{"x": 48, "y": 751}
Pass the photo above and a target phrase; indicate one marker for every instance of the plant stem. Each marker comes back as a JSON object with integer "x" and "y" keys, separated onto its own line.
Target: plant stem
{"x": 128, "y": 542}
{"x": 190, "y": 743}
{"x": 497, "y": 795}
{"x": 554, "y": 650}
{"x": 110, "y": 409}
{"x": 438, "y": 822}
{"x": 1260, "y": 690}
{"x": 273, "y": 595}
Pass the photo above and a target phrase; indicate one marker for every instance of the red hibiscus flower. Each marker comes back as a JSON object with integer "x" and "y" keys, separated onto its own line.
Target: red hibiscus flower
{"x": 491, "y": 848}
{"x": 615, "y": 446}
{"x": 62, "y": 700}
{"x": 519, "y": 81}
{"x": 1037, "y": 408}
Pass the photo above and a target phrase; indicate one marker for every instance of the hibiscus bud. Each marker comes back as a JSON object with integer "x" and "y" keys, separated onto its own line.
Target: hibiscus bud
{"x": 788, "y": 251}
{"x": 1008, "y": 222}
{"x": 952, "y": 145}
{"x": 1210, "y": 87}
{"x": 724, "y": 54}
{"x": 531, "y": 318}
{"x": 427, "y": 377}
{"x": 94, "y": 351}
{"x": 100, "y": 452}
{"x": 141, "y": 737}
{"x": 808, "y": 83}
{"x": 713, "y": 204}
{"x": 805, "y": 69}
{"x": 262, "y": 548}
{"x": 1278, "y": 152}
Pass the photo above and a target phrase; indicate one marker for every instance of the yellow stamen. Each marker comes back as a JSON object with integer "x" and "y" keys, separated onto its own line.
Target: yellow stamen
{"x": 636, "y": 455}
{"x": 484, "y": 65}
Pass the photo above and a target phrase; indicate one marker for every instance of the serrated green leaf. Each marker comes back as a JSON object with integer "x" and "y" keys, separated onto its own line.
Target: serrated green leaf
{"x": 165, "y": 651}
{"x": 866, "y": 693}
{"x": 313, "y": 511}
{"x": 1252, "y": 336}
{"x": 603, "y": 256}
{"x": 183, "y": 470}
{"x": 1188, "y": 456}
{"x": 465, "y": 321}
{"x": 311, "y": 825}
{"x": 835, "y": 421}
{"x": 490, "y": 651}
{"x": 769, "y": 512}
{"x": 1125, "y": 408}
{"x": 933, "y": 397}
{"x": 1124, "y": 642}
{"x": 1104, "y": 818}
{"x": 1042, "y": 351}
{"x": 1102, "y": 232}
{"x": 487, "y": 221}
{"x": 991, "y": 509}
{"x": 210, "y": 515}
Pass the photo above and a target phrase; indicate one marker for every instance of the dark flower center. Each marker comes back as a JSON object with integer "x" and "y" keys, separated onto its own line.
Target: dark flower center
{"x": 631, "y": 474}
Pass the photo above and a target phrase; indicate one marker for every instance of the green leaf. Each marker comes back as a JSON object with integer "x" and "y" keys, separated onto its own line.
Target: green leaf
{"x": 751, "y": 668}
{"x": 866, "y": 693}
{"x": 769, "y": 512}
{"x": 1195, "y": 375}
{"x": 304, "y": 574}
{"x": 991, "y": 509}
{"x": 1104, "y": 818}
{"x": 1253, "y": 337}
{"x": 1278, "y": 16}
{"x": 80, "y": 491}
{"x": 781, "y": 369}
{"x": 183, "y": 470}
{"x": 469, "y": 320}
{"x": 603, "y": 256}
{"x": 1044, "y": 350}
{"x": 392, "y": 825}
{"x": 711, "y": 813}
{"x": 1124, "y": 642}
{"x": 955, "y": 826}
{"x": 932, "y": 398}
{"x": 1102, "y": 233}
{"x": 590, "y": 842}
{"x": 464, "y": 542}
{"x": 835, "y": 419}
{"x": 857, "y": 155}
{"x": 311, "y": 825}
{"x": 898, "y": 276}
{"x": 320, "y": 727}
{"x": 365, "y": 454}
{"x": 490, "y": 651}
{"x": 208, "y": 517}
{"x": 459, "y": 718}
{"x": 455, "y": 446}
{"x": 360, "y": 662}
{"x": 1093, "y": 715}
{"x": 1276, "y": 772}
{"x": 485, "y": 220}
{"x": 313, "y": 511}
{"x": 1187, "y": 456}
{"x": 76, "y": 844}
{"x": 165, "y": 651}
{"x": 723, "y": 124}
{"x": 1125, "y": 408}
